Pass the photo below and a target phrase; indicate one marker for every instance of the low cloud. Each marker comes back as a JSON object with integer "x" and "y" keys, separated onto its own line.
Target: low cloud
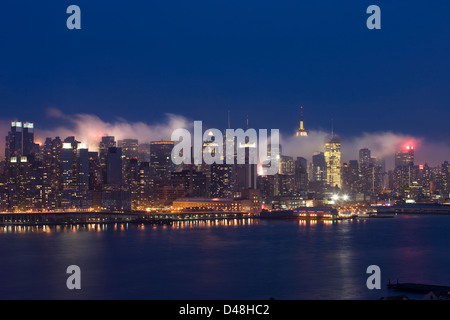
{"x": 383, "y": 145}
{"x": 89, "y": 128}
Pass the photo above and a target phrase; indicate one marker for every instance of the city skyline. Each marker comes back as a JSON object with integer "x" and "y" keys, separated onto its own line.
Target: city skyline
{"x": 90, "y": 128}
{"x": 125, "y": 175}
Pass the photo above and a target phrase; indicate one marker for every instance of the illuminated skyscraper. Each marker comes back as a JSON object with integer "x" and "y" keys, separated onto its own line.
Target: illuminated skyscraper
{"x": 13, "y": 145}
{"x": 20, "y": 140}
{"x": 333, "y": 160}
{"x": 403, "y": 174}
{"x": 221, "y": 181}
{"x": 28, "y": 145}
{"x": 301, "y": 132}
{"x": 405, "y": 156}
{"x": 67, "y": 174}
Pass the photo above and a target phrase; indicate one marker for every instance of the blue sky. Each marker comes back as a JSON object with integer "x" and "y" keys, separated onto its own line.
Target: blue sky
{"x": 141, "y": 59}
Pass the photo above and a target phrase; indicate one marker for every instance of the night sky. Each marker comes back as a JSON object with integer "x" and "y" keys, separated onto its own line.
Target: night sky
{"x": 138, "y": 60}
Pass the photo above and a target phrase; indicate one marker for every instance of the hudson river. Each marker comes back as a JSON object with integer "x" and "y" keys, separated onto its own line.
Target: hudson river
{"x": 234, "y": 259}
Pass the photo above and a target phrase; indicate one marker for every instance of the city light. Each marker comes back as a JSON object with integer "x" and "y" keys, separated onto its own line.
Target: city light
{"x": 66, "y": 175}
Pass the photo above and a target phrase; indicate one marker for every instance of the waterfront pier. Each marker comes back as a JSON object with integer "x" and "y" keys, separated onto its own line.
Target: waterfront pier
{"x": 55, "y": 218}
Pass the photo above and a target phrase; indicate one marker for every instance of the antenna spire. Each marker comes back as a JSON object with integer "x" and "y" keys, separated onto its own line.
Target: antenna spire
{"x": 332, "y": 128}
{"x": 301, "y": 130}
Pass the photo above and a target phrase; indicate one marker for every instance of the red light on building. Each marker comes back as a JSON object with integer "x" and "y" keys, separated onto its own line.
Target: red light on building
{"x": 408, "y": 147}
{"x": 420, "y": 166}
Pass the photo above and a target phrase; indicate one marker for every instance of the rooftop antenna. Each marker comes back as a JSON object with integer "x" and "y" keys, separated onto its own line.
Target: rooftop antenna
{"x": 332, "y": 129}
{"x": 229, "y": 127}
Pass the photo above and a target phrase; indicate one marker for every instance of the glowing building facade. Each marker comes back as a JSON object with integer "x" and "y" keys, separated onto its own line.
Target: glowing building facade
{"x": 333, "y": 160}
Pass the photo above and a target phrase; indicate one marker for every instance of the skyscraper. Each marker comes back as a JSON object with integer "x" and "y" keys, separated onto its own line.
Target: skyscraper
{"x": 403, "y": 174}
{"x": 114, "y": 166}
{"x": 130, "y": 154}
{"x": 130, "y": 148}
{"x": 67, "y": 174}
{"x": 405, "y": 156}
{"x": 20, "y": 140}
{"x": 28, "y": 145}
{"x": 161, "y": 159}
{"x": 351, "y": 176}
{"x": 221, "y": 181}
{"x": 364, "y": 157}
{"x": 13, "y": 145}
{"x": 333, "y": 160}
{"x": 83, "y": 194}
{"x": 301, "y": 175}
{"x": 301, "y": 132}
{"x": 106, "y": 143}
{"x": 318, "y": 172}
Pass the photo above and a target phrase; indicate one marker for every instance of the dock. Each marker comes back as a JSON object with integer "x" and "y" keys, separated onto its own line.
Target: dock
{"x": 64, "y": 218}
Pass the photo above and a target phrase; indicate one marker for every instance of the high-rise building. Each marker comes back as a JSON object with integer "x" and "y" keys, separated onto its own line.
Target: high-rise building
{"x": 83, "y": 196}
{"x": 28, "y": 145}
{"x": 301, "y": 175}
{"x": 144, "y": 152}
{"x": 351, "y": 181}
{"x": 130, "y": 153}
{"x": 287, "y": 165}
{"x": 221, "y": 185}
{"x": 13, "y": 143}
{"x": 191, "y": 181}
{"x": 333, "y": 160}
{"x": 245, "y": 174}
{"x": 404, "y": 172}
{"x": 67, "y": 174}
{"x": 106, "y": 143}
{"x": 20, "y": 140}
{"x": 364, "y": 157}
{"x": 405, "y": 156}
{"x": 114, "y": 166}
{"x": 95, "y": 172}
{"x": 318, "y": 172}
{"x": 130, "y": 148}
{"x": 301, "y": 132}
{"x": 144, "y": 198}
{"x": 161, "y": 159}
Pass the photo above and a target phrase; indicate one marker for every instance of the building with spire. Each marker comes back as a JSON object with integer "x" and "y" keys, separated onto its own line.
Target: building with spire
{"x": 333, "y": 160}
{"x": 301, "y": 132}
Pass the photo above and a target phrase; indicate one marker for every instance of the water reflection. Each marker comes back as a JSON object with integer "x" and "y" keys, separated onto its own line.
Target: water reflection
{"x": 177, "y": 224}
{"x": 102, "y": 227}
{"x": 214, "y": 223}
{"x": 95, "y": 227}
